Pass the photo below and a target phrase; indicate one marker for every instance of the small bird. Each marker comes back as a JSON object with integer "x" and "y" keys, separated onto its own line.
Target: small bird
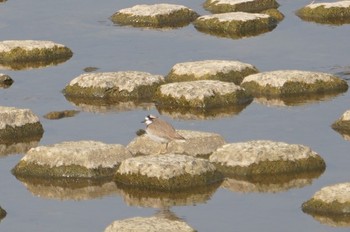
{"x": 160, "y": 130}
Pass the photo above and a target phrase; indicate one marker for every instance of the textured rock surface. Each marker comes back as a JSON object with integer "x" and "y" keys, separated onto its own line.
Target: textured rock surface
{"x": 197, "y": 143}
{"x": 266, "y": 157}
{"x": 5, "y": 80}
{"x": 224, "y": 70}
{"x": 342, "y": 125}
{"x": 167, "y": 172}
{"x": 150, "y": 224}
{"x": 2, "y": 213}
{"x": 292, "y": 82}
{"x": 223, "y": 6}
{"x": 85, "y": 159}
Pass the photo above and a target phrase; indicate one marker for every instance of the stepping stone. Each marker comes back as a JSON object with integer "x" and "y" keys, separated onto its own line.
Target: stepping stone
{"x": 203, "y": 94}
{"x": 262, "y": 157}
{"x": 156, "y": 15}
{"x": 200, "y": 144}
{"x": 19, "y": 125}
{"x": 222, "y": 70}
{"x": 235, "y": 24}
{"x": 253, "y": 6}
{"x": 5, "y": 81}
{"x": 342, "y": 125}
{"x": 77, "y": 159}
{"x": 167, "y": 172}
{"x": 326, "y": 12}
{"x": 284, "y": 83}
{"x": 114, "y": 86}
{"x": 148, "y": 224}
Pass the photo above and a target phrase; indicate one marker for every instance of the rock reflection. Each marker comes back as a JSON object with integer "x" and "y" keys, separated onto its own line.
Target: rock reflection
{"x": 31, "y": 64}
{"x": 16, "y": 148}
{"x": 332, "y": 220}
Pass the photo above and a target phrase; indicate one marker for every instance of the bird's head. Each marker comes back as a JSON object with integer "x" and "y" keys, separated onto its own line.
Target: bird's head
{"x": 149, "y": 119}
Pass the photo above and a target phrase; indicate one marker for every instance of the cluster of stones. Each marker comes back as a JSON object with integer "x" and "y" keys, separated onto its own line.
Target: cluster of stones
{"x": 326, "y": 12}
{"x": 342, "y": 124}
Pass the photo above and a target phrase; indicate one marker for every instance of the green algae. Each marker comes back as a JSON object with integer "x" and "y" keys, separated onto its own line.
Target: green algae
{"x": 323, "y": 15}
{"x": 248, "y": 6}
{"x": 184, "y": 181}
{"x": 274, "y": 13}
{"x": 175, "y": 19}
{"x": 333, "y": 209}
{"x": 26, "y": 133}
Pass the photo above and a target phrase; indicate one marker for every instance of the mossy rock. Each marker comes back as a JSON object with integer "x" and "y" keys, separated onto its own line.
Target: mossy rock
{"x": 2, "y": 213}
{"x": 263, "y": 157}
{"x": 252, "y": 6}
{"x": 167, "y": 172}
{"x": 235, "y": 24}
{"x": 205, "y": 94}
{"x": 336, "y": 13}
{"x": 222, "y": 70}
{"x": 5, "y": 81}
{"x": 285, "y": 83}
{"x": 114, "y": 86}
{"x": 274, "y": 13}
{"x": 60, "y": 114}
{"x": 157, "y": 16}
{"x": 342, "y": 125}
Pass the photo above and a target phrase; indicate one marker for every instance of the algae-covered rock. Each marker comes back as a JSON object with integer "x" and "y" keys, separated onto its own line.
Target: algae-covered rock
{"x": 235, "y": 24}
{"x": 222, "y": 70}
{"x": 114, "y": 86}
{"x": 331, "y": 201}
{"x": 342, "y": 125}
{"x": 19, "y": 125}
{"x": 203, "y": 94}
{"x": 167, "y": 172}
{"x": 326, "y": 12}
{"x": 253, "y": 6}
{"x": 261, "y": 157}
{"x": 197, "y": 143}
{"x": 156, "y": 15}
{"x": 16, "y": 53}
{"x": 149, "y": 224}
{"x": 5, "y": 81}
{"x": 60, "y": 114}
{"x": 77, "y": 159}
{"x": 2, "y": 214}
{"x": 292, "y": 83}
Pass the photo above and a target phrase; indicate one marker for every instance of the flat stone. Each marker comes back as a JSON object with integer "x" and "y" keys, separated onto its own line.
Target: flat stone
{"x": 265, "y": 157}
{"x": 292, "y": 82}
{"x": 114, "y": 86}
{"x": 342, "y": 125}
{"x": 196, "y": 144}
{"x": 235, "y": 24}
{"x": 167, "y": 172}
{"x": 326, "y": 12}
{"x": 253, "y": 6}
{"x": 19, "y": 125}
{"x": 156, "y": 15}
{"x": 201, "y": 94}
{"x": 150, "y": 224}
{"x": 77, "y": 159}
{"x": 223, "y": 70}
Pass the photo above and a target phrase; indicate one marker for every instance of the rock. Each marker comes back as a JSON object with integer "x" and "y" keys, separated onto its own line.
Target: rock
{"x": 326, "y": 12}
{"x": 203, "y": 94}
{"x": 156, "y": 15}
{"x": 60, "y": 114}
{"x": 5, "y": 81}
{"x": 196, "y": 144}
{"x": 19, "y": 125}
{"x": 77, "y": 159}
{"x": 150, "y": 224}
{"x": 253, "y": 6}
{"x": 167, "y": 172}
{"x": 114, "y": 86}
{"x": 262, "y": 157}
{"x": 342, "y": 125}
{"x": 292, "y": 83}
{"x": 331, "y": 200}
{"x": 2, "y": 213}
{"x": 222, "y": 70}
{"x": 235, "y": 24}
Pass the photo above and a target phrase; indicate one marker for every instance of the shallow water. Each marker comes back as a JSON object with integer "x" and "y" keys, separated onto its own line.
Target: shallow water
{"x": 83, "y": 26}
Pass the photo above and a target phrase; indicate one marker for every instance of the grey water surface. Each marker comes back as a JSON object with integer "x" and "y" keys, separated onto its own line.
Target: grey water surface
{"x": 84, "y": 27}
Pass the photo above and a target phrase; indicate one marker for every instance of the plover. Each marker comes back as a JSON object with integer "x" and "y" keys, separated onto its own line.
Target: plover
{"x": 160, "y": 130}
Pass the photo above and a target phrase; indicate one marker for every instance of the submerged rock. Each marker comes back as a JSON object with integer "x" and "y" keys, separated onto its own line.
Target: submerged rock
{"x": 5, "y": 81}
{"x": 61, "y": 114}
{"x": 292, "y": 83}
{"x": 156, "y": 15}
{"x": 150, "y": 224}
{"x": 222, "y": 70}
{"x": 196, "y": 144}
{"x": 253, "y": 6}
{"x": 19, "y": 125}
{"x": 204, "y": 94}
{"x": 261, "y": 157}
{"x": 114, "y": 86}
{"x": 342, "y": 125}
{"x": 167, "y": 172}
{"x": 78, "y": 159}
{"x": 235, "y": 24}
{"x": 326, "y": 12}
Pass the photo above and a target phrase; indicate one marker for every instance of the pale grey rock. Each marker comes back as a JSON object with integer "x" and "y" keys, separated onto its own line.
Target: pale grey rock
{"x": 8, "y": 45}
{"x": 338, "y": 4}
{"x": 345, "y": 116}
{"x": 233, "y": 16}
{"x": 15, "y": 117}
{"x": 334, "y": 193}
{"x": 152, "y": 10}
{"x": 150, "y": 224}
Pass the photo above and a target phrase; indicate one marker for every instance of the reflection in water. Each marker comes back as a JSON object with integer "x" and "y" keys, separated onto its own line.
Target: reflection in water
{"x": 16, "y": 148}
{"x": 31, "y": 64}
{"x": 332, "y": 220}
